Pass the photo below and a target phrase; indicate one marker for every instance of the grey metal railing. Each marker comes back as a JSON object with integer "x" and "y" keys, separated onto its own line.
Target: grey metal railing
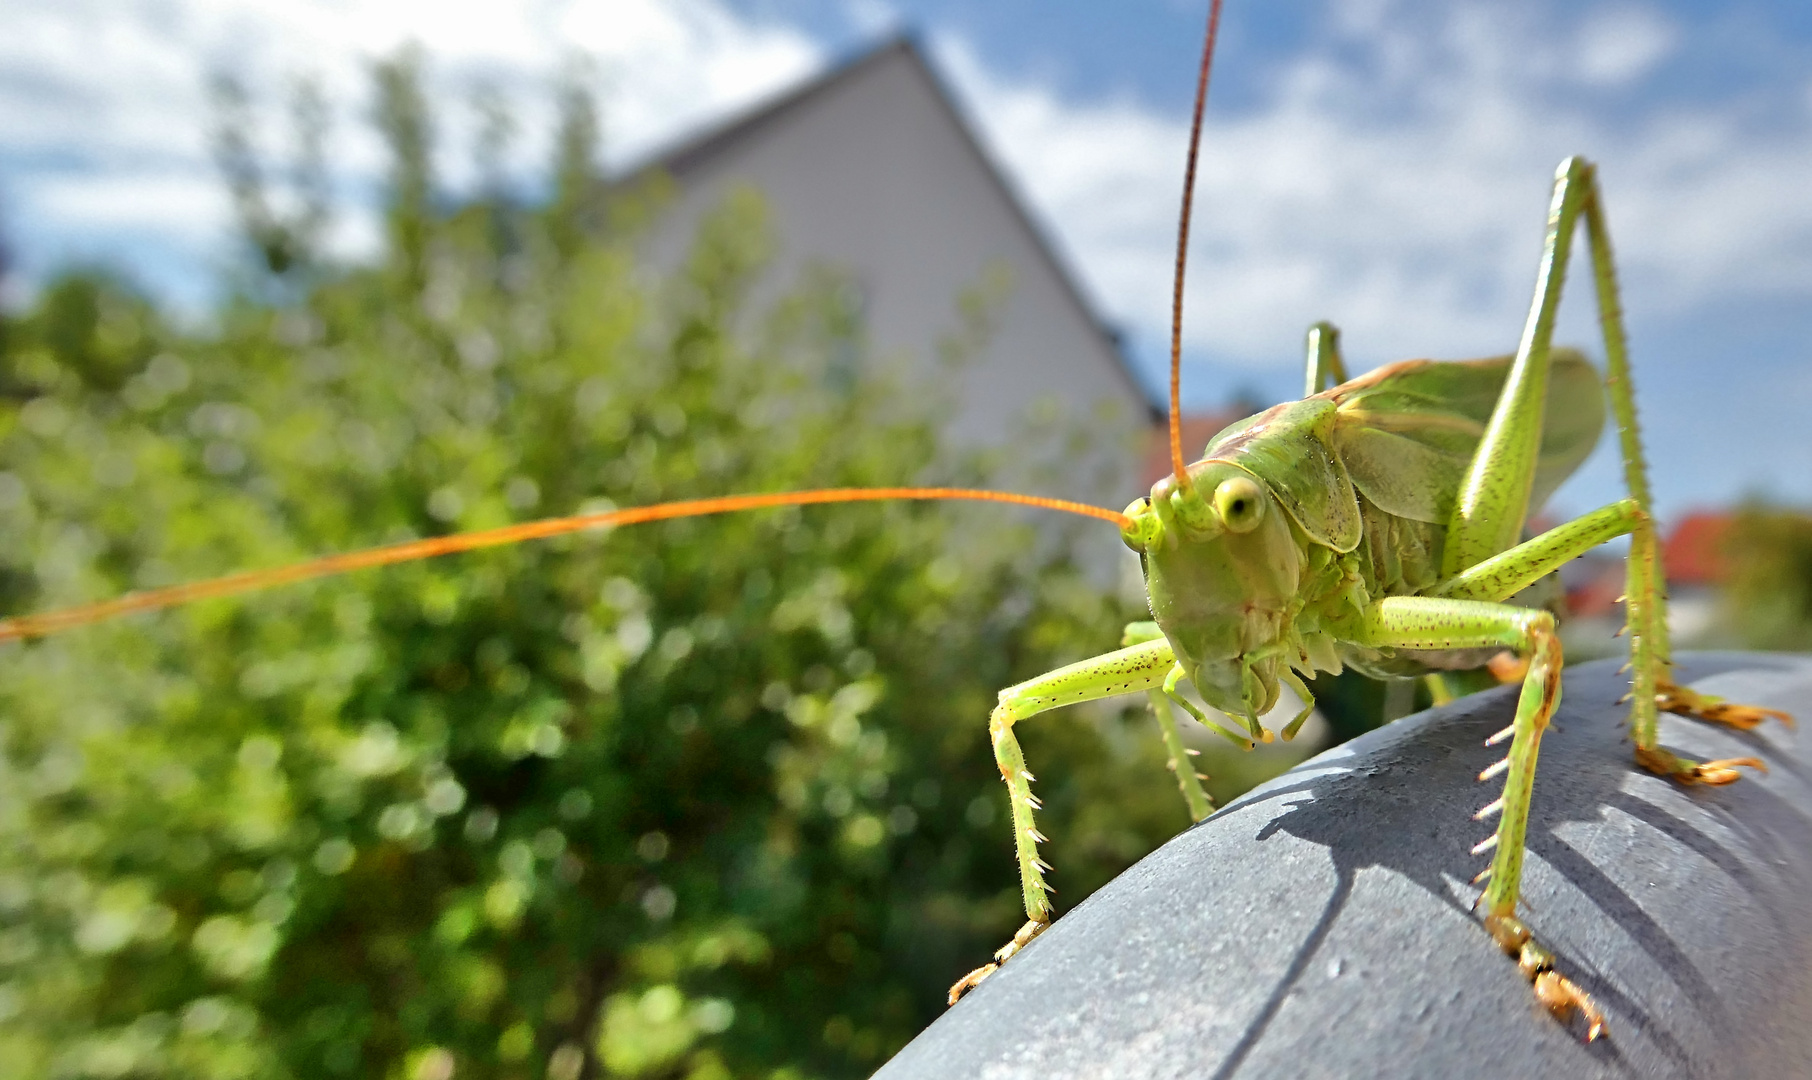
{"x": 1320, "y": 924}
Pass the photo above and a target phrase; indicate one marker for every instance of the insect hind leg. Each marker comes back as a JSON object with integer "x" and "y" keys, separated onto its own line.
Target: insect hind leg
{"x": 1326, "y": 368}
{"x": 1652, "y": 687}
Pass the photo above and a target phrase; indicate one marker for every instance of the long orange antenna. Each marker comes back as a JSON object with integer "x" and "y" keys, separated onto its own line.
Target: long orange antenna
{"x": 1177, "y": 464}
{"x": 51, "y": 622}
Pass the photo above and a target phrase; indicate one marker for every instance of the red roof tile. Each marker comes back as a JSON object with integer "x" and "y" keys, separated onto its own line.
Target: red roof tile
{"x": 1693, "y": 553}
{"x": 1198, "y": 428}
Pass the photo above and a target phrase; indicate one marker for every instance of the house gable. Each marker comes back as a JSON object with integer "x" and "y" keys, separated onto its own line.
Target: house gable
{"x": 872, "y": 169}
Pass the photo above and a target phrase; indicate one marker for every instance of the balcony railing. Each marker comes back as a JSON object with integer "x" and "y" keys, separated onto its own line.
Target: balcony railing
{"x": 1320, "y": 925}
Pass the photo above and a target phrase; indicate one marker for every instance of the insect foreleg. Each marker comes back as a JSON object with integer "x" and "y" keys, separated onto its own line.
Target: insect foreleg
{"x": 1415, "y": 622}
{"x": 1181, "y": 758}
{"x": 1200, "y": 806}
{"x": 1139, "y": 667}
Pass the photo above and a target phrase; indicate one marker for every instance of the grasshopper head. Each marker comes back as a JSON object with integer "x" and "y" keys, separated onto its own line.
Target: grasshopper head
{"x": 1221, "y": 565}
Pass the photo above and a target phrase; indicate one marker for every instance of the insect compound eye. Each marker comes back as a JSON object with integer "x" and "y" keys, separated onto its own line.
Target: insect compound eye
{"x": 1143, "y": 527}
{"x": 1239, "y": 503}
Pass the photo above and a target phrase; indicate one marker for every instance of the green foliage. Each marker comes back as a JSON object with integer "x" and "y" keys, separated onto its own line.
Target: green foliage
{"x": 1767, "y": 603}
{"x": 704, "y": 798}
{"x": 283, "y": 242}
{"x": 87, "y": 328}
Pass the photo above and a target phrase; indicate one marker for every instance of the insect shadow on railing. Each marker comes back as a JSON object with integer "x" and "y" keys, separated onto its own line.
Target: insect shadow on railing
{"x": 1392, "y": 781}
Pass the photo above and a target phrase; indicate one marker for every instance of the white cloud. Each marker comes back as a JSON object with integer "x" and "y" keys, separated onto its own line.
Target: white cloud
{"x": 1391, "y": 177}
{"x": 1395, "y": 180}
{"x": 1618, "y": 47}
{"x": 104, "y": 108}
{"x": 140, "y": 201}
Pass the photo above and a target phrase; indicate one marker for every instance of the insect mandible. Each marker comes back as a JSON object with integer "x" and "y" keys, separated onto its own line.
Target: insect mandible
{"x": 1376, "y": 524}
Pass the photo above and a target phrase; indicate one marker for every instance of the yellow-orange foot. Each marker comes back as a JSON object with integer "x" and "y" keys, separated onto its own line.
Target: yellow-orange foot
{"x": 1678, "y": 699}
{"x": 1030, "y": 930}
{"x": 1682, "y": 771}
{"x": 1559, "y": 994}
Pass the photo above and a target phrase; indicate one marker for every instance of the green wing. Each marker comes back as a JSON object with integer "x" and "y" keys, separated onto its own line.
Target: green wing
{"x": 1407, "y": 431}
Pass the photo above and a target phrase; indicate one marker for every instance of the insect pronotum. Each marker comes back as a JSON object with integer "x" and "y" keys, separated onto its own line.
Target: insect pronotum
{"x": 1376, "y": 524}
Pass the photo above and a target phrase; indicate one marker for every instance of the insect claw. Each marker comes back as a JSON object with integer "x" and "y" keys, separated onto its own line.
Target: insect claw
{"x": 1558, "y": 993}
{"x": 1488, "y": 810}
{"x": 1494, "y": 768}
{"x": 1501, "y": 736}
{"x": 971, "y": 981}
{"x": 1485, "y": 845}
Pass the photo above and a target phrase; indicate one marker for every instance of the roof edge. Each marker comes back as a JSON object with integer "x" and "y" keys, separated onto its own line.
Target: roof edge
{"x": 687, "y": 149}
{"x": 705, "y": 138}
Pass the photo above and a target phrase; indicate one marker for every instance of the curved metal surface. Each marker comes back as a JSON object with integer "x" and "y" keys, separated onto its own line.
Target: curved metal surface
{"x": 1320, "y": 924}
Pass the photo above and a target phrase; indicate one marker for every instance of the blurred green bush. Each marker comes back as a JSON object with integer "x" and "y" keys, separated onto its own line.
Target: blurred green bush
{"x": 706, "y": 798}
{"x": 1767, "y": 601}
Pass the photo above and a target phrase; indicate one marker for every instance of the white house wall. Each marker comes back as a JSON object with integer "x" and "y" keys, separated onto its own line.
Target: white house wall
{"x": 872, "y": 172}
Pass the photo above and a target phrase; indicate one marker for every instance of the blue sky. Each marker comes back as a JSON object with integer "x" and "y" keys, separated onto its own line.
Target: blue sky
{"x": 1383, "y": 163}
